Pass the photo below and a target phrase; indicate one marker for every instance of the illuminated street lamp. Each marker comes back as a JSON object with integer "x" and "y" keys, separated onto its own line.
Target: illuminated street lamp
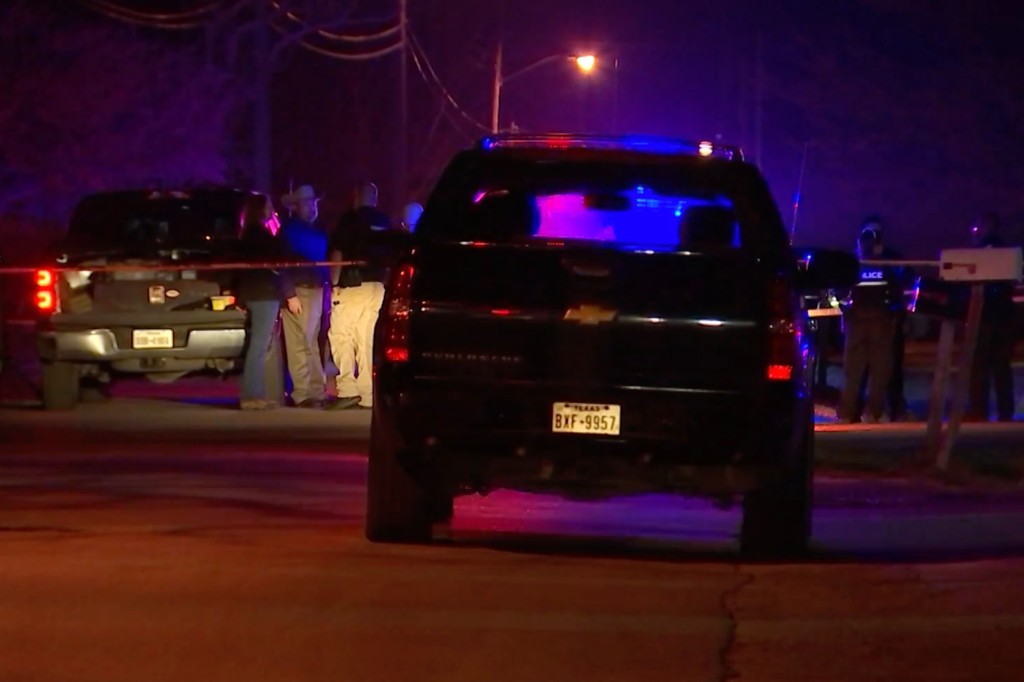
{"x": 584, "y": 62}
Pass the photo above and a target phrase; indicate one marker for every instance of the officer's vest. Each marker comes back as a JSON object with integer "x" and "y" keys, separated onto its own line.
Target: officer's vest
{"x": 878, "y": 289}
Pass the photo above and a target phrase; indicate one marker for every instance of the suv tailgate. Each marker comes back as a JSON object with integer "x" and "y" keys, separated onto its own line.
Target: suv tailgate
{"x": 589, "y": 317}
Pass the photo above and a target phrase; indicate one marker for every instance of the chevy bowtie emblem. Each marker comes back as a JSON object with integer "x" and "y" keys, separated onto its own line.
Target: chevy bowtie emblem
{"x": 590, "y": 314}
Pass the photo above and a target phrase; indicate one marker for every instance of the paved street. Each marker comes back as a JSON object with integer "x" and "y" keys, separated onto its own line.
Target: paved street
{"x": 160, "y": 539}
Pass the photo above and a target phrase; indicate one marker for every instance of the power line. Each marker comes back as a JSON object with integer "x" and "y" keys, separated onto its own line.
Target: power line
{"x": 352, "y": 38}
{"x": 302, "y": 33}
{"x": 342, "y": 37}
{"x": 187, "y": 19}
{"x": 426, "y": 68}
{"x": 164, "y": 16}
{"x": 198, "y": 16}
{"x": 351, "y": 56}
{"x": 299, "y": 39}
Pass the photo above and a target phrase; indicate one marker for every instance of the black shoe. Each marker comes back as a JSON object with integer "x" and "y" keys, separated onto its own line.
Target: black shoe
{"x": 343, "y": 403}
{"x": 311, "y": 404}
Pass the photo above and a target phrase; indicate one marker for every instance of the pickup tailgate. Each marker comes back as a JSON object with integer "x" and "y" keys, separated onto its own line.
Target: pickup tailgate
{"x": 587, "y": 317}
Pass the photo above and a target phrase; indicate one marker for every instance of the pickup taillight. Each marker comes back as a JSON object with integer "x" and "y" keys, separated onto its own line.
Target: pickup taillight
{"x": 46, "y": 291}
{"x": 783, "y": 334}
{"x": 396, "y": 317}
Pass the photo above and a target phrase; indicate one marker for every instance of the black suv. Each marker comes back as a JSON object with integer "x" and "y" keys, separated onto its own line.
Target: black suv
{"x": 593, "y": 317}
{"x": 123, "y": 297}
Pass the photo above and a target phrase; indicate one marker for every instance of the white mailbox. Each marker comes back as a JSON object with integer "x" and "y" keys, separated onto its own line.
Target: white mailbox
{"x": 980, "y": 265}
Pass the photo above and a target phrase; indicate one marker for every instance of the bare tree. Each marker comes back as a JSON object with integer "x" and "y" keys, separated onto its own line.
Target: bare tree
{"x": 88, "y": 106}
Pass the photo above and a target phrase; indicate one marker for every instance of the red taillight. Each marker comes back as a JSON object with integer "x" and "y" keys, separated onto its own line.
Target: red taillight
{"x": 45, "y": 300}
{"x": 46, "y": 295}
{"x": 783, "y": 337}
{"x": 44, "y": 278}
{"x": 396, "y": 319}
{"x": 395, "y": 354}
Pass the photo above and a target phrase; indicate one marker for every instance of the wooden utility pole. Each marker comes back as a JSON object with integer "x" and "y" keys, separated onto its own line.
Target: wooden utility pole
{"x": 963, "y": 377}
{"x": 940, "y": 386}
{"x": 402, "y": 138}
{"x": 263, "y": 68}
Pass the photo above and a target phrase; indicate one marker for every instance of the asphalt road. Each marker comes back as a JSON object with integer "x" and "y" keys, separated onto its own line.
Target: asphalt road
{"x": 149, "y": 539}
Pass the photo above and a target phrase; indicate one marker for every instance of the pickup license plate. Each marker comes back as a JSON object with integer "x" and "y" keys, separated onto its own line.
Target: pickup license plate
{"x": 143, "y": 339}
{"x": 592, "y": 418}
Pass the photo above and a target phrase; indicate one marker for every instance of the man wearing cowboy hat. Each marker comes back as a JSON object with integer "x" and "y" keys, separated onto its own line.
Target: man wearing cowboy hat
{"x": 301, "y": 319}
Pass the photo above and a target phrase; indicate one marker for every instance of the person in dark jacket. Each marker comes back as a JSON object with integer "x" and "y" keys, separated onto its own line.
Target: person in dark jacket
{"x": 870, "y": 323}
{"x": 895, "y": 399}
{"x": 364, "y": 234}
{"x": 262, "y": 292}
{"x": 994, "y": 352}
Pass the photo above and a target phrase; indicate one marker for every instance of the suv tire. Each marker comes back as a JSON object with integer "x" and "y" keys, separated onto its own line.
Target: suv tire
{"x": 397, "y": 506}
{"x": 777, "y": 518}
{"x": 61, "y": 385}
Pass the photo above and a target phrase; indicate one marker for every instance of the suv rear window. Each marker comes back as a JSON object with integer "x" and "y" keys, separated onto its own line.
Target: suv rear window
{"x": 662, "y": 203}
{"x": 156, "y": 218}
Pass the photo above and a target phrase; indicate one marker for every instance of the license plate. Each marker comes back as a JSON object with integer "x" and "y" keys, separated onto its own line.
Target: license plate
{"x": 592, "y": 418}
{"x": 152, "y": 338}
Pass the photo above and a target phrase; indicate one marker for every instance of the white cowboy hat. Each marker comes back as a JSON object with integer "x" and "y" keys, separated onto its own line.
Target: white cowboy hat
{"x": 301, "y": 193}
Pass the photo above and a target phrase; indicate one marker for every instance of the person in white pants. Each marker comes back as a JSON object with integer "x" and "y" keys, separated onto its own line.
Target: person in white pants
{"x": 354, "y": 312}
{"x": 357, "y": 294}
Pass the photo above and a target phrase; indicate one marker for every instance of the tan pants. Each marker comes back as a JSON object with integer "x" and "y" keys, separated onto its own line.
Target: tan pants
{"x": 302, "y": 345}
{"x": 354, "y": 312}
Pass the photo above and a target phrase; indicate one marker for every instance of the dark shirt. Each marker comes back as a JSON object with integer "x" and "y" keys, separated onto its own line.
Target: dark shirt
{"x": 260, "y": 246}
{"x": 365, "y": 234}
{"x": 306, "y": 241}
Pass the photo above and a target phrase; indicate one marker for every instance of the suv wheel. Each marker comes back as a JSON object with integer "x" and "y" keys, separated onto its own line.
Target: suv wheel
{"x": 777, "y": 518}
{"x": 61, "y": 385}
{"x": 398, "y": 507}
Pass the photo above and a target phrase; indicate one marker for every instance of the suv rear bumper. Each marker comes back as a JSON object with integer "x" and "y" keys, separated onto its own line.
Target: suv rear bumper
{"x": 491, "y": 436}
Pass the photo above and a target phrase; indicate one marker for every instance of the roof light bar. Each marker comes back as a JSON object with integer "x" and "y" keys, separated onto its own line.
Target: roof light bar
{"x": 637, "y": 143}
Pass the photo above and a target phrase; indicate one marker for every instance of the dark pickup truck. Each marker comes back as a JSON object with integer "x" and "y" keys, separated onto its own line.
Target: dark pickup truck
{"x": 118, "y": 297}
{"x": 595, "y": 317}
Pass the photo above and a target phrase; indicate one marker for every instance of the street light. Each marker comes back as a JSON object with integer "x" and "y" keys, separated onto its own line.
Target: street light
{"x": 584, "y": 62}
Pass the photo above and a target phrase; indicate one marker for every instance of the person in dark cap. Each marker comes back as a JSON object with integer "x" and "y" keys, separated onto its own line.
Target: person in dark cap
{"x": 871, "y": 322}
{"x": 896, "y": 400}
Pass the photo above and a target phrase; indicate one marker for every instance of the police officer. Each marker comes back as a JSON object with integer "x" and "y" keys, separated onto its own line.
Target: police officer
{"x": 871, "y": 321}
{"x": 994, "y": 352}
{"x": 897, "y": 402}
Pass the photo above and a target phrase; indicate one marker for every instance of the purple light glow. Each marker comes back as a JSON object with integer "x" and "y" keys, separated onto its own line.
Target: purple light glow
{"x": 647, "y": 218}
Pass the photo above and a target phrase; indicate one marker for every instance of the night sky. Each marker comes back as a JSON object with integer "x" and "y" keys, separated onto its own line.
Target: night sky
{"x": 912, "y": 109}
